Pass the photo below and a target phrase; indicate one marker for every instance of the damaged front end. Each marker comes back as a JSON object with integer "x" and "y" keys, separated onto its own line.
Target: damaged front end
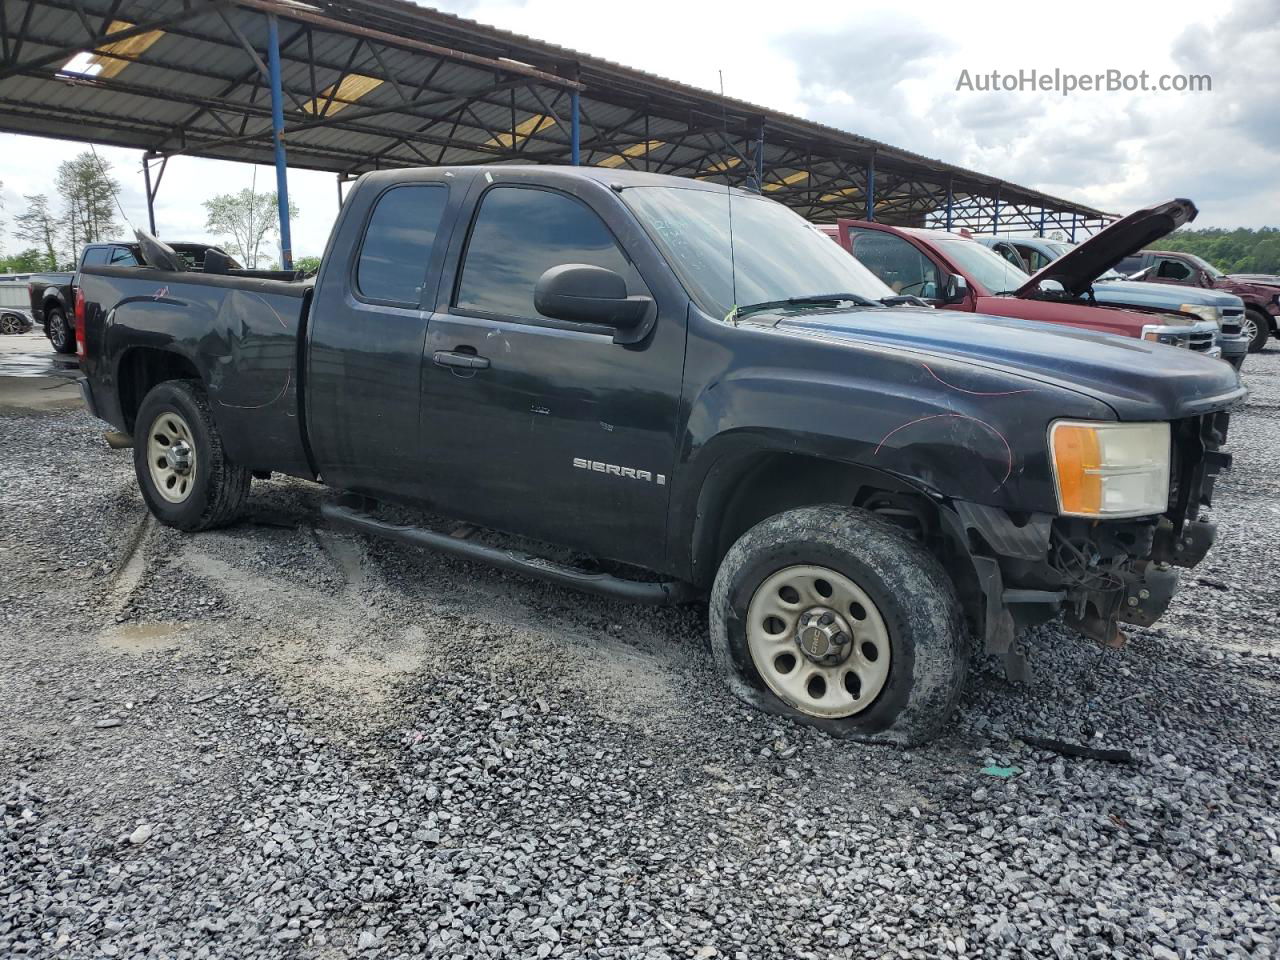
{"x": 1098, "y": 573}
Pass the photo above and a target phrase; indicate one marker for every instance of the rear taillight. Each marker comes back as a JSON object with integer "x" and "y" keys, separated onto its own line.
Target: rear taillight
{"x": 79, "y": 313}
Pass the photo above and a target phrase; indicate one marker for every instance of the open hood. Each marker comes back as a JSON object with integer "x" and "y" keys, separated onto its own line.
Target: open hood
{"x": 157, "y": 253}
{"x": 1077, "y": 269}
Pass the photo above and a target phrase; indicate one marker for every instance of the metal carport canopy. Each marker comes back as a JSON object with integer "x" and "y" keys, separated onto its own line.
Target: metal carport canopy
{"x": 373, "y": 84}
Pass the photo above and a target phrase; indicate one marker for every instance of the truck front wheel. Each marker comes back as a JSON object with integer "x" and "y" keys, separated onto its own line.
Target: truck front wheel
{"x": 837, "y": 618}
{"x": 183, "y": 473}
{"x": 1257, "y": 327}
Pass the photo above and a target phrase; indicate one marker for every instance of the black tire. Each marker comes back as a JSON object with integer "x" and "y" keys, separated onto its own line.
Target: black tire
{"x": 218, "y": 487}
{"x": 914, "y": 596}
{"x": 61, "y": 333}
{"x": 11, "y": 323}
{"x": 1261, "y": 324}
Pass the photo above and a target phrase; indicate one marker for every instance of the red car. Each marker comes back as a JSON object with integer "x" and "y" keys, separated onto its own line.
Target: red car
{"x": 955, "y": 272}
{"x": 1261, "y": 294}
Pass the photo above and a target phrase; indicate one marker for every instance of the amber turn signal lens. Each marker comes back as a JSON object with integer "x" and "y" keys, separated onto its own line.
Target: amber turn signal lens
{"x": 1108, "y": 469}
{"x": 1078, "y": 458}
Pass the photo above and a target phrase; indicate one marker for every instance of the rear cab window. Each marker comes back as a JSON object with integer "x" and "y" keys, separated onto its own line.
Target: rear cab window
{"x": 498, "y": 275}
{"x": 397, "y": 243}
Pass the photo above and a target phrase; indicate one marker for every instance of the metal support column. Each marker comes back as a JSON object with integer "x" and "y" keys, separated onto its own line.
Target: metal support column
{"x": 995, "y": 213}
{"x": 146, "y": 181}
{"x": 277, "y": 135}
{"x": 575, "y": 129}
{"x": 951, "y": 199}
{"x": 1073, "y": 228}
{"x": 760, "y": 161}
{"x": 871, "y": 188}
{"x": 1042, "y": 221}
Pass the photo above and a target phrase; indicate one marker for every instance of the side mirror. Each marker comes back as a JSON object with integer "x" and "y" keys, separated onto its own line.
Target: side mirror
{"x": 583, "y": 293}
{"x": 956, "y": 290}
{"x": 1051, "y": 288}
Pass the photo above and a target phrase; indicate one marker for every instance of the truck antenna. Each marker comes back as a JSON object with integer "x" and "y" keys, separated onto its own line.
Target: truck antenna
{"x": 111, "y": 186}
{"x": 728, "y": 194}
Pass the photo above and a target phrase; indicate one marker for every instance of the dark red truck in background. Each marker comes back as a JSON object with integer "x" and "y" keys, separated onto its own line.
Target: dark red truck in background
{"x": 954, "y": 272}
{"x": 1261, "y": 295}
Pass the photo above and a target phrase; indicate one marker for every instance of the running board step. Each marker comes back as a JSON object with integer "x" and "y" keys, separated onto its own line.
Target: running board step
{"x": 666, "y": 592}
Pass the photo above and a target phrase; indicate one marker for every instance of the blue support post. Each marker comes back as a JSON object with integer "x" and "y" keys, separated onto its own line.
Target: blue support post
{"x": 760, "y": 162}
{"x": 277, "y": 136}
{"x": 995, "y": 213}
{"x": 951, "y": 199}
{"x": 1073, "y": 228}
{"x": 871, "y": 188}
{"x": 575, "y": 130}
{"x": 1042, "y": 221}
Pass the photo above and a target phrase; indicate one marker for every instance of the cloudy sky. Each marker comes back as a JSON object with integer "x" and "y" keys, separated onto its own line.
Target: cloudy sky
{"x": 891, "y": 75}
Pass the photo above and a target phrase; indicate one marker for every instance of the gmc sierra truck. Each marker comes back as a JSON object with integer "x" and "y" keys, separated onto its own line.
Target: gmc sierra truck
{"x": 697, "y": 393}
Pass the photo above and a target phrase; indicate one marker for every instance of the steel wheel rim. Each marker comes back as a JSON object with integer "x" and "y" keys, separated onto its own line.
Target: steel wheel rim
{"x": 9, "y": 324}
{"x": 58, "y": 331}
{"x": 1250, "y": 328}
{"x": 776, "y": 619}
{"x": 171, "y": 457}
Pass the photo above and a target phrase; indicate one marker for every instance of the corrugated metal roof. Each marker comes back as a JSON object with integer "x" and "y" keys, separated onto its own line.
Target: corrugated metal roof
{"x": 437, "y": 89}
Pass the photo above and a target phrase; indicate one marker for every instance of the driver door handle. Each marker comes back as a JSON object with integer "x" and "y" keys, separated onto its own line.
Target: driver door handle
{"x": 456, "y": 358}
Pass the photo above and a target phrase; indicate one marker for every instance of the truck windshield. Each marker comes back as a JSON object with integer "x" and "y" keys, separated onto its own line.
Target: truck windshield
{"x": 1205, "y": 265}
{"x": 776, "y": 254}
{"x": 983, "y": 265}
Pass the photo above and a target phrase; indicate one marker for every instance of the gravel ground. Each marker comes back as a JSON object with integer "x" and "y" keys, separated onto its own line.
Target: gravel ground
{"x": 275, "y": 740}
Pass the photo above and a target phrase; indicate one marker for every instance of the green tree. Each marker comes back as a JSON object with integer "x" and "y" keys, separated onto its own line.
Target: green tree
{"x": 245, "y": 219}
{"x": 308, "y": 265}
{"x": 31, "y": 260}
{"x": 1241, "y": 250}
{"x": 37, "y": 224}
{"x": 88, "y": 194}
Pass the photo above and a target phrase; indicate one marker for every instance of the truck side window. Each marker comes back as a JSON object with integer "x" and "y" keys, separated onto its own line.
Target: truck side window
{"x": 1129, "y": 265}
{"x": 397, "y": 243}
{"x": 1032, "y": 260}
{"x": 123, "y": 256}
{"x": 1170, "y": 269}
{"x": 896, "y": 262}
{"x": 95, "y": 256}
{"x": 519, "y": 234}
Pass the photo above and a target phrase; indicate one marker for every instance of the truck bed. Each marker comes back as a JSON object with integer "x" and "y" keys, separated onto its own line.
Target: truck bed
{"x": 238, "y": 334}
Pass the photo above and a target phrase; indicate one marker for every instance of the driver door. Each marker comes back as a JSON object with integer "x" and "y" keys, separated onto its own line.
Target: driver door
{"x": 549, "y": 428}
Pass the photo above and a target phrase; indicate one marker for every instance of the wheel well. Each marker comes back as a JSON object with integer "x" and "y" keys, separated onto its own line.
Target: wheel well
{"x": 141, "y": 369}
{"x": 767, "y": 484}
{"x": 763, "y": 485}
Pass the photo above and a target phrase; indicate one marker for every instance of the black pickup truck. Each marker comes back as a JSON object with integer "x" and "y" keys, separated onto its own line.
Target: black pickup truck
{"x": 702, "y": 395}
{"x": 53, "y": 295}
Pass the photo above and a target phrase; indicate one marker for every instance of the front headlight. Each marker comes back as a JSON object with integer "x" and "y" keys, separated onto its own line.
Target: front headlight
{"x": 1179, "y": 336}
{"x": 1110, "y": 469}
{"x": 1203, "y": 311}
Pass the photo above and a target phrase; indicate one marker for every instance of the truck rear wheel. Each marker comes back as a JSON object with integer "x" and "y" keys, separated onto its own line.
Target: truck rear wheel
{"x": 1257, "y": 327}
{"x": 837, "y": 618}
{"x": 61, "y": 335}
{"x": 183, "y": 473}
